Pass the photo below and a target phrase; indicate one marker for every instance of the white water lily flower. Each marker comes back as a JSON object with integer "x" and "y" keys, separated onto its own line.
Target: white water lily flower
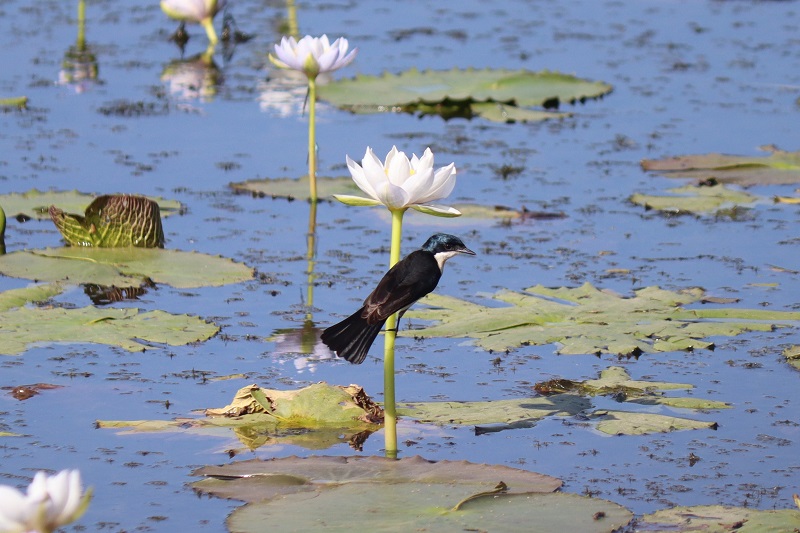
{"x": 312, "y": 55}
{"x": 400, "y": 183}
{"x": 192, "y": 10}
{"x": 50, "y": 503}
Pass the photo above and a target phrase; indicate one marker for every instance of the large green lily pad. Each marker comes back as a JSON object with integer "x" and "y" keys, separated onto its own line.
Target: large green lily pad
{"x": 586, "y": 320}
{"x": 36, "y": 204}
{"x": 499, "y": 95}
{"x": 720, "y": 519}
{"x": 124, "y": 267}
{"x": 112, "y": 221}
{"x": 35, "y": 293}
{"x": 129, "y": 329}
{"x": 297, "y": 188}
{"x": 779, "y": 167}
{"x": 410, "y": 494}
{"x": 695, "y": 199}
{"x": 613, "y": 422}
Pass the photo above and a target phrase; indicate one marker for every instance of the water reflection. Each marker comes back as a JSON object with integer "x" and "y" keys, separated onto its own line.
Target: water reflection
{"x": 195, "y": 78}
{"x": 79, "y": 68}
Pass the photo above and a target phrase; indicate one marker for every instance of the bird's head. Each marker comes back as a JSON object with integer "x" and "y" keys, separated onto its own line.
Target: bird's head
{"x": 444, "y": 246}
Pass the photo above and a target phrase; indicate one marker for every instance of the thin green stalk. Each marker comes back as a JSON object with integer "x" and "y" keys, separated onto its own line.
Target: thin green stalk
{"x": 81, "y": 44}
{"x": 208, "y": 25}
{"x": 312, "y": 138}
{"x": 389, "y": 406}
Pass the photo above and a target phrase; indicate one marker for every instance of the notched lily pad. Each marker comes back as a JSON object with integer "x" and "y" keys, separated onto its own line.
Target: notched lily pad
{"x": 696, "y": 199}
{"x": 410, "y": 494}
{"x": 36, "y": 204}
{"x": 112, "y": 221}
{"x": 778, "y": 168}
{"x": 129, "y": 329}
{"x": 497, "y": 95}
{"x": 124, "y": 267}
{"x": 586, "y": 320}
{"x": 719, "y": 519}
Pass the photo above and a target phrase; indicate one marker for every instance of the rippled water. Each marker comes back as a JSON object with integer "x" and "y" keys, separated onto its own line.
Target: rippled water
{"x": 689, "y": 77}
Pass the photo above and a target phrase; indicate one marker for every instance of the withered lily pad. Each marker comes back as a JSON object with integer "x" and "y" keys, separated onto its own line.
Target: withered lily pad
{"x": 779, "y": 167}
{"x": 586, "y": 320}
{"x": 410, "y": 494}
{"x": 112, "y": 221}
{"x": 124, "y": 267}
{"x": 695, "y": 199}
{"x": 36, "y": 204}
{"x": 498, "y": 95}
{"x": 792, "y": 355}
{"x": 126, "y": 328}
{"x": 719, "y": 519}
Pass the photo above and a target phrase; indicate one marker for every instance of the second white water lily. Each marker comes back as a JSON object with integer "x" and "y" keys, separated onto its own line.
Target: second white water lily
{"x": 197, "y": 11}
{"x": 312, "y": 55}
{"x": 399, "y": 182}
{"x": 49, "y": 503}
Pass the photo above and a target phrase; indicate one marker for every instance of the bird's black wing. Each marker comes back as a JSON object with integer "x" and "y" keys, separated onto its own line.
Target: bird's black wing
{"x": 405, "y": 283}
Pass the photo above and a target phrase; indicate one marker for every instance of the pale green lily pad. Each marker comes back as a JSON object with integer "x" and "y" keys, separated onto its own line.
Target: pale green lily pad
{"x": 36, "y": 204}
{"x": 616, "y": 379}
{"x": 778, "y": 168}
{"x": 112, "y": 221}
{"x": 409, "y": 494}
{"x": 463, "y": 93}
{"x": 297, "y": 188}
{"x": 695, "y": 199}
{"x": 520, "y": 412}
{"x": 124, "y": 267}
{"x": 720, "y": 519}
{"x": 127, "y": 328}
{"x": 627, "y": 423}
{"x": 585, "y": 320}
{"x": 35, "y": 293}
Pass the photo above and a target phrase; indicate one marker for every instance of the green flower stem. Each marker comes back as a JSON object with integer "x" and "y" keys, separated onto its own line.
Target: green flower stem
{"x": 312, "y": 138}
{"x": 390, "y": 331}
{"x": 81, "y": 44}
{"x": 311, "y": 252}
{"x": 208, "y": 25}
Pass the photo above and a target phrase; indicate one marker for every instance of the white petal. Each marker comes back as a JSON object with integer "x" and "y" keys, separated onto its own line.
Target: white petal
{"x": 398, "y": 167}
{"x": 392, "y": 196}
{"x": 426, "y": 161}
{"x": 373, "y": 170}
{"x": 418, "y": 185}
{"x": 356, "y": 200}
{"x": 359, "y": 177}
{"x": 438, "y": 210}
{"x": 444, "y": 181}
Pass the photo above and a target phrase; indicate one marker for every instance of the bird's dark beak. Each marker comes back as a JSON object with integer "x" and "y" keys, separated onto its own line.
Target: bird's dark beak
{"x": 467, "y": 251}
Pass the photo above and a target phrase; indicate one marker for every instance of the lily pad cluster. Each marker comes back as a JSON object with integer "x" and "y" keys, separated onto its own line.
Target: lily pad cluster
{"x": 494, "y": 94}
{"x": 587, "y": 320}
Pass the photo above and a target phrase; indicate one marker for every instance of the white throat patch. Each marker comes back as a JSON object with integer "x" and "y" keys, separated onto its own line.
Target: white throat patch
{"x": 441, "y": 257}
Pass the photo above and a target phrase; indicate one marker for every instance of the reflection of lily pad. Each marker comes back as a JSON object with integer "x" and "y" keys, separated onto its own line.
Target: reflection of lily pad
{"x": 695, "y": 199}
{"x": 465, "y": 93}
{"x": 719, "y": 519}
{"x": 36, "y": 204}
{"x": 126, "y": 328}
{"x": 292, "y": 188}
{"x": 409, "y": 494}
{"x": 778, "y": 168}
{"x": 587, "y": 320}
{"x": 124, "y": 267}
{"x": 112, "y": 221}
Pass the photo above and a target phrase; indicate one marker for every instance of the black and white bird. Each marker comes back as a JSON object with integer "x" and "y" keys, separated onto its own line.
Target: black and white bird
{"x": 410, "y": 279}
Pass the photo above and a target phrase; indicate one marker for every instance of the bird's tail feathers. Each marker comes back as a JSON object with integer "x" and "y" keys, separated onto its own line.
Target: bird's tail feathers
{"x": 352, "y": 338}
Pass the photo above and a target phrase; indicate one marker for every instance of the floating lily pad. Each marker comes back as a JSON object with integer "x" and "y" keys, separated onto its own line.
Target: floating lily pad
{"x": 695, "y": 199}
{"x": 792, "y": 354}
{"x": 720, "y": 519}
{"x": 112, "y": 221}
{"x": 410, "y": 494}
{"x": 35, "y": 293}
{"x": 585, "y": 320}
{"x": 36, "y": 204}
{"x": 627, "y": 423}
{"x": 124, "y": 267}
{"x": 779, "y": 167}
{"x": 127, "y": 328}
{"x": 499, "y": 95}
